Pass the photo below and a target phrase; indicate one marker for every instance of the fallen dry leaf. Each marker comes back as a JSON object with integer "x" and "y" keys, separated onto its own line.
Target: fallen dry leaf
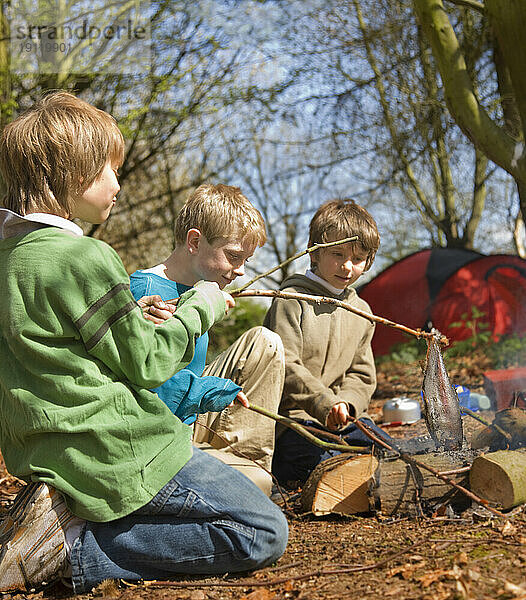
{"x": 519, "y": 591}
{"x": 406, "y": 570}
{"x": 428, "y": 578}
{"x": 508, "y": 529}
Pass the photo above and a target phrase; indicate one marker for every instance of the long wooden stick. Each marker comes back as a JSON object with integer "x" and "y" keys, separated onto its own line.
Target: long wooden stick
{"x": 270, "y": 582}
{"x": 326, "y": 300}
{"x": 303, "y": 432}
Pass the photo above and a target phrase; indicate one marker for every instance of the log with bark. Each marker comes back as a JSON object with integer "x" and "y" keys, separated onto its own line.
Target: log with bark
{"x": 391, "y": 487}
{"x": 500, "y": 477}
{"x": 402, "y": 489}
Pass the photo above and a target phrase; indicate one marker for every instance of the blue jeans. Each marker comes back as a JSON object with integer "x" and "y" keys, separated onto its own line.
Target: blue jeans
{"x": 208, "y": 520}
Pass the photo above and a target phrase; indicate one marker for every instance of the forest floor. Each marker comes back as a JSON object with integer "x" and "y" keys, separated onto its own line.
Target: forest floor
{"x": 469, "y": 556}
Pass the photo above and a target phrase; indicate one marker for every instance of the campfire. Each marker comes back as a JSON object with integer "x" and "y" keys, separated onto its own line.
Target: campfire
{"x": 422, "y": 476}
{"x": 429, "y": 479}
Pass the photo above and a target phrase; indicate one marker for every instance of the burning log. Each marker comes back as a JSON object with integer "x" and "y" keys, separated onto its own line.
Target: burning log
{"x": 500, "y": 477}
{"x": 508, "y": 430}
{"x": 403, "y": 489}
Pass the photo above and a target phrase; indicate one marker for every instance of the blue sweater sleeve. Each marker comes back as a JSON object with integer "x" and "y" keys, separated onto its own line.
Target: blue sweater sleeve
{"x": 186, "y": 394}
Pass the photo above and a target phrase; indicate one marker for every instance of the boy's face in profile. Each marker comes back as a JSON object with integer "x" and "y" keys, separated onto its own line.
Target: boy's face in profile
{"x": 221, "y": 261}
{"x": 95, "y": 204}
{"x": 340, "y": 265}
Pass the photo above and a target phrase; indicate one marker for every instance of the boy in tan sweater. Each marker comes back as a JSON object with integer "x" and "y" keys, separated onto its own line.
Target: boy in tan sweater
{"x": 329, "y": 367}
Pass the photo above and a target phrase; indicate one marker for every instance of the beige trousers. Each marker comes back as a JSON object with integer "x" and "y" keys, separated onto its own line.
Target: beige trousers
{"x": 255, "y": 362}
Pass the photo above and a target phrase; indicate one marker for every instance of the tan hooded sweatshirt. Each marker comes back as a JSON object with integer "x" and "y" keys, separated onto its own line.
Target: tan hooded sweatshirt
{"x": 328, "y": 355}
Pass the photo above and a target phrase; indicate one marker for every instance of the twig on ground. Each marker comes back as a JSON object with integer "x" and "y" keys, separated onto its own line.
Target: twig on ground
{"x": 467, "y": 540}
{"x": 411, "y": 460}
{"x": 354, "y": 238}
{"x": 279, "y": 581}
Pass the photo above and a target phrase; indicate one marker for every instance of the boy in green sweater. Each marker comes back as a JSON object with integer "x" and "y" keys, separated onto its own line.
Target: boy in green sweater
{"x": 115, "y": 488}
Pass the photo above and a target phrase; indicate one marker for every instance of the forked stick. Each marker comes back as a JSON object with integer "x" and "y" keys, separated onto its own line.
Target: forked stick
{"x": 242, "y": 292}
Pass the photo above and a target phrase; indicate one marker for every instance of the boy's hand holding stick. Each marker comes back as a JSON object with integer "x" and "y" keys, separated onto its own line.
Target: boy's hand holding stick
{"x": 291, "y": 424}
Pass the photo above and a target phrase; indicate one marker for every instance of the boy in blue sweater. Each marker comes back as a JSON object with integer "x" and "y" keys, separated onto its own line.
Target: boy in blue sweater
{"x": 115, "y": 489}
{"x": 216, "y": 232}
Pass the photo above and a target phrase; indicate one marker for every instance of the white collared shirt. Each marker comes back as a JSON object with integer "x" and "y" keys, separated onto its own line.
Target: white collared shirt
{"x": 12, "y": 224}
{"x": 334, "y": 290}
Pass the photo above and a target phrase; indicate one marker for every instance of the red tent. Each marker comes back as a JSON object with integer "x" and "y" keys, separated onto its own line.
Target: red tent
{"x": 436, "y": 287}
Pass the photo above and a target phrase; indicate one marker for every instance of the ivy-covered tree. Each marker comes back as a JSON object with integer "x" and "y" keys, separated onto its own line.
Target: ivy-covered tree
{"x": 500, "y": 136}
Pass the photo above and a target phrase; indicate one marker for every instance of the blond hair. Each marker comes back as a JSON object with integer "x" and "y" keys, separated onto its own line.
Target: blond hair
{"x": 340, "y": 219}
{"x": 220, "y": 212}
{"x": 54, "y": 151}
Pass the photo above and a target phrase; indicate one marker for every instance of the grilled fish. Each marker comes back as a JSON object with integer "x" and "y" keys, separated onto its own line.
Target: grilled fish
{"x": 441, "y": 405}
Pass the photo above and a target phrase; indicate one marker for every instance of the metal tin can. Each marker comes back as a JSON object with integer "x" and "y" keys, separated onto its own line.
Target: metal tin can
{"x": 403, "y": 410}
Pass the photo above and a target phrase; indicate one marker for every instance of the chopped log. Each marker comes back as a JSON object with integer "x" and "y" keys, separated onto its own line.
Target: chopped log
{"x": 500, "y": 477}
{"x": 401, "y": 489}
{"x": 340, "y": 485}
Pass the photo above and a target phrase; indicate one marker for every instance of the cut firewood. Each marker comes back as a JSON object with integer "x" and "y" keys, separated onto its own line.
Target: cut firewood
{"x": 500, "y": 477}
{"x": 403, "y": 489}
{"x": 340, "y": 485}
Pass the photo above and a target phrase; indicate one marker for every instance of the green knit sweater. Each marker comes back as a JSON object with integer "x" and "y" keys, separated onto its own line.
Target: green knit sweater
{"x": 76, "y": 361}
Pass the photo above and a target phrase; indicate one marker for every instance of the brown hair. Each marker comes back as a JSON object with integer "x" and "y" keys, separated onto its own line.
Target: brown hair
{"x": 220, "y": 211}
{"x": 54, "y": 151}
{"x": 339, "y": 219}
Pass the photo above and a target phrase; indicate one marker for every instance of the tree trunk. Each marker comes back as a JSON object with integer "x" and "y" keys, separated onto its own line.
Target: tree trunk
{"x": 508, "y": 21}
{"x": 518, "y": 236}
{"x": 471, "y": 117}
